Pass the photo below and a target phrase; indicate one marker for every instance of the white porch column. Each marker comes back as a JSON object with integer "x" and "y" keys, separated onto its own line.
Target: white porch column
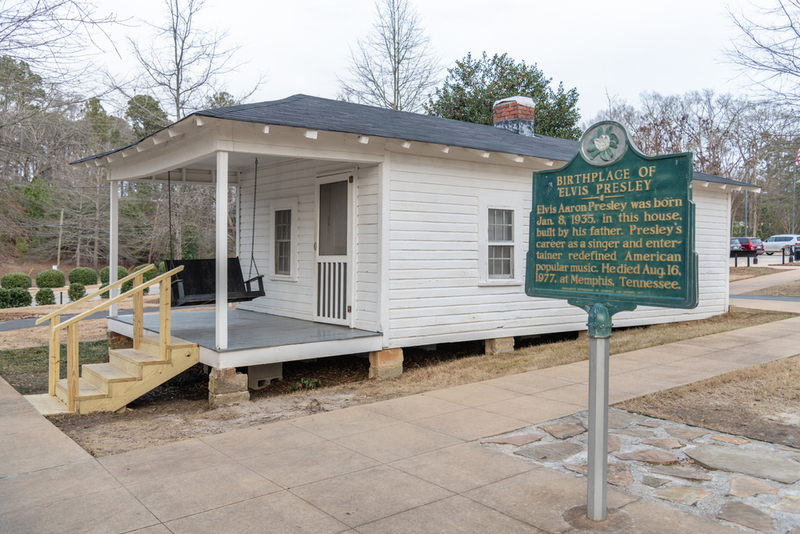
{"x": 113, "y": 244}
{"x": 222, "y": 251}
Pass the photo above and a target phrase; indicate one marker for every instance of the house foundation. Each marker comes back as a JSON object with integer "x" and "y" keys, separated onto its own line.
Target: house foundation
{"x": 499, "y": 345}
{"x": 260, "y": 376}
{"x": 385, "y": 364}
{"x": 226, "y": 386}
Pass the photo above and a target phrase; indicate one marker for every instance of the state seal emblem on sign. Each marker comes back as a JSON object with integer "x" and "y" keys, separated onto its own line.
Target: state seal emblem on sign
{"x": 604, "y": 144}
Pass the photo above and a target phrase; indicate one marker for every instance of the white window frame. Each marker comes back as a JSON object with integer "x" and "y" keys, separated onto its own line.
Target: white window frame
{"x": 284, "y": 204}
{"x": 518, "y": 232}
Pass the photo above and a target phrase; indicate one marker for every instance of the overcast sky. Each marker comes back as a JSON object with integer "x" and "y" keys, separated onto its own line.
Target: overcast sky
{"x": 619, "y": 48}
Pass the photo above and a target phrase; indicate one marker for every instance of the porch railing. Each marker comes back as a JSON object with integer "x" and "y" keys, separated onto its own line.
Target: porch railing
{"x": 73, "y": 357}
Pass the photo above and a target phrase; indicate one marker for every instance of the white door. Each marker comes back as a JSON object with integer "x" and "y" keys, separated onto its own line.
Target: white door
{"x": 334, "y": 249}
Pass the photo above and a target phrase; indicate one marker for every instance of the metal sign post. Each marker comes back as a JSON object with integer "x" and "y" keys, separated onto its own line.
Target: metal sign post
{"x": 610, "y": 231}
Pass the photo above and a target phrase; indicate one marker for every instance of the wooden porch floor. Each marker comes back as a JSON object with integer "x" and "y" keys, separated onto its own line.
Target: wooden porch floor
{"x": 250, "y": 330}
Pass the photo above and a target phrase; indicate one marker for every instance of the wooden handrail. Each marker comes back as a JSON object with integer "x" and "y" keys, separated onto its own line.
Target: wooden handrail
{"x": 62, "y": 311}
{"x": 73, "y": 364}
{"x": 109, "y": 302}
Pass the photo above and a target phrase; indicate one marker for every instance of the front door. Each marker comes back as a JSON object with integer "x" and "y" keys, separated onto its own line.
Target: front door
{"x": 333, "y": 249}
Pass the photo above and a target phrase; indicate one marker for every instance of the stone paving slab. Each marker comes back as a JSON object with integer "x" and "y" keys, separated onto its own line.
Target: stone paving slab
{"x": 756, "y": 463}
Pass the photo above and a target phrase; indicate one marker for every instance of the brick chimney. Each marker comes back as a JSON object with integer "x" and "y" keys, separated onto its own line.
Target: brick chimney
{"x": 514, "y": 113}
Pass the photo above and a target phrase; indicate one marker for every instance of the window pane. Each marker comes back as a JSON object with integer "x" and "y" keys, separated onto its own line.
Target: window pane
{"x": 501, "y": 261}
{"x": 333, "y": 219}
{"x": 501, "y": 225}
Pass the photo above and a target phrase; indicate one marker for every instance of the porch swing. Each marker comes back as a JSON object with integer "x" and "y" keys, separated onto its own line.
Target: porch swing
{"x": 196, "y": 285}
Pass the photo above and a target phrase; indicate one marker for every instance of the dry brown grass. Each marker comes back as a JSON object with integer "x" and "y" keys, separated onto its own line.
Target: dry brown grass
{"x": 743, "y": 273}
{"x": 485, "y": 367}
{"x": 791, "y": 289}
{"x": 761, "y": 402}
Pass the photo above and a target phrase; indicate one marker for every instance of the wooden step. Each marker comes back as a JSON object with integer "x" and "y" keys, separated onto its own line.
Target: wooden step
{"x": 100, "y": 375}
{"x": 85, "y": 390}
{"x": 174, "y": 342}
{"x": 134, "y": 361}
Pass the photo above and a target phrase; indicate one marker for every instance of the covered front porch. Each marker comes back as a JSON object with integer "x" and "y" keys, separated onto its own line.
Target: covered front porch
{"x": 256, "y": 338}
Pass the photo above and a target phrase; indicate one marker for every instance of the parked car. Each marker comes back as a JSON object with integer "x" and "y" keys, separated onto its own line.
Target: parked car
{"x": 750, "y": 245}
{"x": 775, "y": 243}
{"x": 736, "y": 247}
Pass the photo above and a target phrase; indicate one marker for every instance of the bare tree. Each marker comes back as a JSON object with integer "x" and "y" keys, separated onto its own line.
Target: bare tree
{"x": 393, "y": 67}
{"x": 182, "y": 64}
{"x": 51, "y": 31}
{"x": 768, "y": 49}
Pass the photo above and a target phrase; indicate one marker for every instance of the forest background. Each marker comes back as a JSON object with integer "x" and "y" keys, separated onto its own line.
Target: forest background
{"x": 47, "y": 120}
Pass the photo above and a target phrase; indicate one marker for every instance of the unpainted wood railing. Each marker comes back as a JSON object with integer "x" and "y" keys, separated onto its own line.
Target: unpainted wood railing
{"x": 73, "y": 357}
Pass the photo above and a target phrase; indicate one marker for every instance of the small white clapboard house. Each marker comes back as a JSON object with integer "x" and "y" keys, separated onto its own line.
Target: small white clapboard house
{"x": 379, "y": 229}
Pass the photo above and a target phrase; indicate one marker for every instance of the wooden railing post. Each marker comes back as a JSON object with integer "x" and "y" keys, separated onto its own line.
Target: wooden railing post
{"x": 164, "y": 317}
{"x": 73, "y": 366}
{"x": 55, "y": 356}
{"x": 138, "y": 311}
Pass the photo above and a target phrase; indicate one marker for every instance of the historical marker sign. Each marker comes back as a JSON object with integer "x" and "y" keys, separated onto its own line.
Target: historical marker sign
{"x": 614, "y": 226}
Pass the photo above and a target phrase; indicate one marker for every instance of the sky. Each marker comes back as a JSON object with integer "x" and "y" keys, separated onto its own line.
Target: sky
{"x": 604, "y": 49}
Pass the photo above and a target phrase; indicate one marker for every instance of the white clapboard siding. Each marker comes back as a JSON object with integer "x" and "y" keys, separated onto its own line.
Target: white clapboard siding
{"x": 367, "y": 246}
{"x": 434, "y": 290}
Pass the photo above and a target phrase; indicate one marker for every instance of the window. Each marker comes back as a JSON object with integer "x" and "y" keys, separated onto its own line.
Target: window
{"x": 501, "y": 244}
{"x": 501, "y": 239}
{"x": 283, "y": 218}
{"x": 283, "y": 242}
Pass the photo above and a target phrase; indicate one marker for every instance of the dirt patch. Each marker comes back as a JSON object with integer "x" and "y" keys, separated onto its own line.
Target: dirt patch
{"x": 791, "y": 289}
{"x": 179, "y": 409}
{"x": 760, "y": 402}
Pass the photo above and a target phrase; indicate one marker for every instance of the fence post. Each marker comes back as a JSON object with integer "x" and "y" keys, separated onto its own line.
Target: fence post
{"x": 73, "y": 366}
{"x": 55, "y": 356}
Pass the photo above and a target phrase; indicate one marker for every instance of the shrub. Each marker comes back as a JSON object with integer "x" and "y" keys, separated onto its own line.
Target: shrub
{"x": 50, "y": 278}
{"x": 146, "y": 277}
{"x": 122, "y": 272}
{"x": 4, "y": 297}
{"x": 45, "y": 296}
{"x": 83, "y": 275}
{"x": 77, "y": 291}
{"x": 12, "y": 280}
{"x": 19, "y": 298}
{"x": 104, "y": 294}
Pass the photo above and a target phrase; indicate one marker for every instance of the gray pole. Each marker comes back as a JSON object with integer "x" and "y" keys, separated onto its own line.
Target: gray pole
{"x": 599, "y": 334}
{"x": 794, "y": 197}
{"x": 598, "y": 428}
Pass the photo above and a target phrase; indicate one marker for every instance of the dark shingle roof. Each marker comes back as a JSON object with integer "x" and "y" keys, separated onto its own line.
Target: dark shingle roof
{"x": 302, "y": 111}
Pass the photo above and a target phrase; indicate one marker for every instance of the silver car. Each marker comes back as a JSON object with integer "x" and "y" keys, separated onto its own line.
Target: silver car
{"x": 775, "y": 243}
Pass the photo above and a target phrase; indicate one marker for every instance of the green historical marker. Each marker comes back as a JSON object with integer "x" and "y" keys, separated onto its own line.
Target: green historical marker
{"x": 612, "y": 230}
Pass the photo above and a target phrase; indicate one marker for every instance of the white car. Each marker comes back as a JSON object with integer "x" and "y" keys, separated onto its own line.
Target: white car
{"x": 775, "y": 243}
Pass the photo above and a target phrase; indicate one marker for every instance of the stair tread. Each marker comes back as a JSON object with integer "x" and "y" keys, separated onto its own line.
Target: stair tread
{"x": 85, "y": 389}
{"x": 138, "y": 356}
{"x": 174, "y": 342}
{"x": 109, "y": 372}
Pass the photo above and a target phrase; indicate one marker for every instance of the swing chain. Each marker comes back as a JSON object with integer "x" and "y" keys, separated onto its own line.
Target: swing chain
{"x": 253, "y": 234}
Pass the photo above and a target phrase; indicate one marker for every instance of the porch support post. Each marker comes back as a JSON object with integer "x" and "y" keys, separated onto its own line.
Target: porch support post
{"x": 113, "y": 244}
{"x": 222, "y": 251}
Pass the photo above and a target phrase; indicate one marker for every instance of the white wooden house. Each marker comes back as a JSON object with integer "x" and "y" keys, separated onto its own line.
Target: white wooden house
{"x": 372, "y": 225}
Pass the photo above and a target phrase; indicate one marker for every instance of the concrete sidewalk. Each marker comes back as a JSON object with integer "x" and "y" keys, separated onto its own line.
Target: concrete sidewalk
{"x": 406, "y": 465}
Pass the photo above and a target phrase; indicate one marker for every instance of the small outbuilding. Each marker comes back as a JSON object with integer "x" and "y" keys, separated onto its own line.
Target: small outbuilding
{"x": 378, "y": 230}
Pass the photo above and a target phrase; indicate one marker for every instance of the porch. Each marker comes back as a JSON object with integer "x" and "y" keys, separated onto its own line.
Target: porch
{"x": 256, "y": 338}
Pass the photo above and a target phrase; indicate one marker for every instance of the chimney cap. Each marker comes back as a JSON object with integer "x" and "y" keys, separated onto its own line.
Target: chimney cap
{"x": 521, "y": 100}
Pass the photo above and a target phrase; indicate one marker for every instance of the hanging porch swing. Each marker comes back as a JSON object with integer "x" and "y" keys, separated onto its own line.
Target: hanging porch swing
{"x": 196, "y": 285}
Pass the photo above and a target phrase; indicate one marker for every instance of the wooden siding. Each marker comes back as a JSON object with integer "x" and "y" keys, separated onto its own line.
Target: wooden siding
{"x": 435, "y": 291}
{"x": 295, "y": 180}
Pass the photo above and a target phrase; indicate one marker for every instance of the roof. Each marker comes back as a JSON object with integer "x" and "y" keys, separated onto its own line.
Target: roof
{"x": 703, "y": 177}
{"x": 315, "y": 113}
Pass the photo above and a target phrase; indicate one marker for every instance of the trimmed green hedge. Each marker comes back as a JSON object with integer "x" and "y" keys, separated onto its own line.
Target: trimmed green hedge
{"x": 122, "y": 272}
{"x": 45, "y": 296}
{"x": 16, "y": 297}
{"x": 76, "y": 291}
{"x": 50, "y": 278}
{"x": 83, "y": 275}
{"x": 12, "y": 280}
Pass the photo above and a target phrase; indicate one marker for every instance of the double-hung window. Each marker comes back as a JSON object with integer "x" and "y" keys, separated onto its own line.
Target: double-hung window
{"x": 501, "y": 235}
{"x": 283, "y": 217}
{"x": 501, "y": 244}
{"x": 283, "y": 242}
